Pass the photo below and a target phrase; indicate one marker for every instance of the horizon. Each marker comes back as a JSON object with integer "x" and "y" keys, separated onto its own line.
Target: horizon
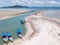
{"x": 28, "y": 6}
{"x": 31, "y": 3}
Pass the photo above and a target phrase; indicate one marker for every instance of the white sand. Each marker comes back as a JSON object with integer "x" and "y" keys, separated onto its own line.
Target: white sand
{"x": 40, "y": 31}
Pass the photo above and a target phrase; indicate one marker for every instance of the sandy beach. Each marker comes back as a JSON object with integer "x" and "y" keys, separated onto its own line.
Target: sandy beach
{"x": 4, "y": 14}
{"x": 40, "y": 31}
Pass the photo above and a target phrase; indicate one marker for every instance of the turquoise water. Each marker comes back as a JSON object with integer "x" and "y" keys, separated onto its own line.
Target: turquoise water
{"x": 12, "y": 25}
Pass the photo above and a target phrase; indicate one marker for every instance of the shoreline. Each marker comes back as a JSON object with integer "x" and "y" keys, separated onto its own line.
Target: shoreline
{"x": 34, "y": 39}
{"x": 13, "y": 15}
{"x": 33, "y": 36}
{"x": 3, "y": 18}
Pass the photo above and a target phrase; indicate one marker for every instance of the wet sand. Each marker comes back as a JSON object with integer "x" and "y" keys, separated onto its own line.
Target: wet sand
{"x": 10, "y": 13}
{"x": 40, "y": 31}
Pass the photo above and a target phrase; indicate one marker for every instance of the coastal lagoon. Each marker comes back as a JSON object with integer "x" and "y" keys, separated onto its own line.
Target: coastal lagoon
{"x": 12, "y": 24}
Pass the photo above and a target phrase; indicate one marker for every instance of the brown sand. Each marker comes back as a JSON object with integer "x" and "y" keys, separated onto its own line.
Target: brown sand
{"x": 7, "y": 13}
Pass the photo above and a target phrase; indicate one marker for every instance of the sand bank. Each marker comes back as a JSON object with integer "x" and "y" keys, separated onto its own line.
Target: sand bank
{"x": 40, "y": 31}
{"x": 4, "y": 14}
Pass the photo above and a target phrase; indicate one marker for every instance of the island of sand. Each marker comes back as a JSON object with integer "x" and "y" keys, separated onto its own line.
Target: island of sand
{"x": 40, "y": 31}
{"x": 4, "y": 14}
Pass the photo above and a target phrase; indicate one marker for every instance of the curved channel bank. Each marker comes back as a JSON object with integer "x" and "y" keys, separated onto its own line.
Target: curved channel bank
{"x": 12, "y": 24}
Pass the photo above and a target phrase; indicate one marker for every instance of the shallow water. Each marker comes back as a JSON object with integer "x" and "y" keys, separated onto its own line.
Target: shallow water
{"x": 52, "y": 13}
{"x": 12, "y": 25}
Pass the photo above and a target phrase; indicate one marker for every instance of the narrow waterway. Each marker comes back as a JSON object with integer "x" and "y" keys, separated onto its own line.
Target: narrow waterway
{"x": 12, "y": 24}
